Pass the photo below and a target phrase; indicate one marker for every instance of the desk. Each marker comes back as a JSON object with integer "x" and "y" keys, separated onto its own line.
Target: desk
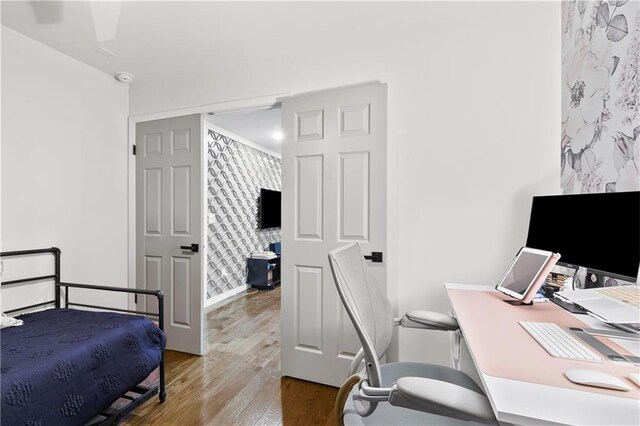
{"x": 541, "y": 395}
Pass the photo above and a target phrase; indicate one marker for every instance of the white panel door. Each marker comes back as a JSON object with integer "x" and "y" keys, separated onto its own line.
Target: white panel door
{"x": 334, "y": 192}
{"x": 168, "y": 222}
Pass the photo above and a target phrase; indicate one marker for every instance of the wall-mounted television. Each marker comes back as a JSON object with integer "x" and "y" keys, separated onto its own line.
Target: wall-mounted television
{"x": 600, "y": 232}
{"x": 269, "y": 211}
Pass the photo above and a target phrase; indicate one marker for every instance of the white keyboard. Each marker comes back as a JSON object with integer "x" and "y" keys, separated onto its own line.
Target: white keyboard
{"x": 559, "y": 343}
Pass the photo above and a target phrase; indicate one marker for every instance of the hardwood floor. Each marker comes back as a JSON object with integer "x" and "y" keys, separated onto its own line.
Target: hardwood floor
{"x": 238, "y": 380}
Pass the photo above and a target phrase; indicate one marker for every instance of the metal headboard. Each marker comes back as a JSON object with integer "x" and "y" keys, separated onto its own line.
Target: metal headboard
{"x": 56, "y": 252}
{"x": 57, "y": 302}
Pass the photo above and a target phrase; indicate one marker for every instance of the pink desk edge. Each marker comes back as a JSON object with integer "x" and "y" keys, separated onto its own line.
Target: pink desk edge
{"x": 502, "y": 348}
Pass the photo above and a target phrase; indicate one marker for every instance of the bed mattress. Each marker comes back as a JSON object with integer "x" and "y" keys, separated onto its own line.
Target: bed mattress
{"x": 64, "y": 366}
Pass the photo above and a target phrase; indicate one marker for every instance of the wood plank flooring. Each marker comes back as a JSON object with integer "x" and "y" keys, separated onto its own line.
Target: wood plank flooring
{"x": 238, "y": 380}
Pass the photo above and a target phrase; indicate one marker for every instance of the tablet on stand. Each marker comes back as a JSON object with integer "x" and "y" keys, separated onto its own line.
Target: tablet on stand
{"x": 526, "y": 273}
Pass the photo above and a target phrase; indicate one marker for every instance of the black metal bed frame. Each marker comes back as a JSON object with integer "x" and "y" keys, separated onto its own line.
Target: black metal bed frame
{"x": 141, "y": 394}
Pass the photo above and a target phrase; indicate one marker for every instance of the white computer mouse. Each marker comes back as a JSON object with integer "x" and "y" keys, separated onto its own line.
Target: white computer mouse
{"x": 597, "y": 379}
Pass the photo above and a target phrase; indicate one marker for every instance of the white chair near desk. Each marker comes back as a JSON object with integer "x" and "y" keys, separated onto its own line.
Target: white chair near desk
{"x": 401, "y": 392}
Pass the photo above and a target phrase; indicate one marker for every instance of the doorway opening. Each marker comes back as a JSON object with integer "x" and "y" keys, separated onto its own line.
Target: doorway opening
{"x": 170, "y": 208}
{"x": 243, "y": 160}
{"x": 333, "y": 170}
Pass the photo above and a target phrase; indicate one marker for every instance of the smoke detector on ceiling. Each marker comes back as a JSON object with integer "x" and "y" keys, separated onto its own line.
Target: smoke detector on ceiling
{"x": 124, "y": 77}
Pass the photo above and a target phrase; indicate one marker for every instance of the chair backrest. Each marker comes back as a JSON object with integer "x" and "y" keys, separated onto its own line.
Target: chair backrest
{"x": 366, "y": 304}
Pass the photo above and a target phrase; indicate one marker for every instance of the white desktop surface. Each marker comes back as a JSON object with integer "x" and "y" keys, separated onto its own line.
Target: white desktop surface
{"x": 522, "y": 402}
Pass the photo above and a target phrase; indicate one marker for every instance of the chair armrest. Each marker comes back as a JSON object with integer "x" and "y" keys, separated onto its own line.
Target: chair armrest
{"x": 442, "y": 398}
{"x": 429, "y": 320}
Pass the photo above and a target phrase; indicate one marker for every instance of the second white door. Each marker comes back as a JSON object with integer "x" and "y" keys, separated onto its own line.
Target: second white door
{"x": 334, "y": 192}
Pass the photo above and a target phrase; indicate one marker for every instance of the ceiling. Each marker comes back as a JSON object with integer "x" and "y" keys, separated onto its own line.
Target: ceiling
{"x": 258, "y": 126}
{"x": 156, "y": 40}
{"x": 160, "y": 40}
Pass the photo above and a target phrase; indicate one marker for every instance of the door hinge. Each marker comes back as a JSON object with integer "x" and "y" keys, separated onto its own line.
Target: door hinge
{"x": 134, "y": 150}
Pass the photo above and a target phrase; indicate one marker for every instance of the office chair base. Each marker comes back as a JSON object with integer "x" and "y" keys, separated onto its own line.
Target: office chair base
{"x": 343, "y": 394}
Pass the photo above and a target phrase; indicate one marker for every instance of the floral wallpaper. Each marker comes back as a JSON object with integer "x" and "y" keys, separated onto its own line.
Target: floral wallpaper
{"x": 600, "y": 96}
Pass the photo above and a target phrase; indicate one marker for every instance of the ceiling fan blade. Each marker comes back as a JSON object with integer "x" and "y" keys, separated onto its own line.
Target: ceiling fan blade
{"x": 47, "y": 12}
{"x": 106, "y": 15}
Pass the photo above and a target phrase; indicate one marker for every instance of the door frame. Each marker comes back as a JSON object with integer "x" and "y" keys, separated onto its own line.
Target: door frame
{"x": 133, "y": 120}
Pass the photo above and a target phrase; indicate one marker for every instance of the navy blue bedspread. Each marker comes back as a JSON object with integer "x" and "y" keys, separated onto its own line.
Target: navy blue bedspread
{"x": 64, "y": 366}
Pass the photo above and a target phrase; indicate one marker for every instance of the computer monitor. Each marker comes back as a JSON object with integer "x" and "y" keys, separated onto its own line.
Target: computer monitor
{"x": 600, "y": 232}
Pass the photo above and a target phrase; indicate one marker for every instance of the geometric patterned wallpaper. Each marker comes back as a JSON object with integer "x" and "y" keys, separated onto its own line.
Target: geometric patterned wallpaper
{"x": 236, "y": 172}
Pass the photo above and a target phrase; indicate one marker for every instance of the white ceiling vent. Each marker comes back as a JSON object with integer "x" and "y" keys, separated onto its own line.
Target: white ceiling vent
{"x": 124, "y": 77}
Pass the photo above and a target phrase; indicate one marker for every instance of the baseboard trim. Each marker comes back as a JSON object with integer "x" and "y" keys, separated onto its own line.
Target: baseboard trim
{"x": 222, "y": 299}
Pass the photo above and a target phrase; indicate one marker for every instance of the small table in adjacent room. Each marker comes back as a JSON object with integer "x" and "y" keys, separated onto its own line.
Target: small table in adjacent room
{"x": 263, "y": 273}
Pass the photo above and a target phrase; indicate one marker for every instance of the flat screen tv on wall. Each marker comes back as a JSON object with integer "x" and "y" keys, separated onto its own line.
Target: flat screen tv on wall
{"x": 269, "y": 209}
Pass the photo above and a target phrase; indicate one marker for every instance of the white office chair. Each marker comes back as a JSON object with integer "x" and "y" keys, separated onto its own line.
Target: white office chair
{"x": 400, "y": 392}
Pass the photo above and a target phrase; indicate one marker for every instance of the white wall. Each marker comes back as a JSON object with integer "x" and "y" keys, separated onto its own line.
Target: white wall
{"x": 64, "y": 167}
{"x": 474, "y": 106}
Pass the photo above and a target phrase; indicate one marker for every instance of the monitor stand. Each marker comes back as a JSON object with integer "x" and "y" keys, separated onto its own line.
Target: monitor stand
{"x": 574, "y": 309}
{"x": 517, "y": 302}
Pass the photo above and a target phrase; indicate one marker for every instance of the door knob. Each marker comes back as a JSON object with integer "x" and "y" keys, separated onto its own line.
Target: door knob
{"x": 193, "y": 247}
{"x": 375, "y": 257}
